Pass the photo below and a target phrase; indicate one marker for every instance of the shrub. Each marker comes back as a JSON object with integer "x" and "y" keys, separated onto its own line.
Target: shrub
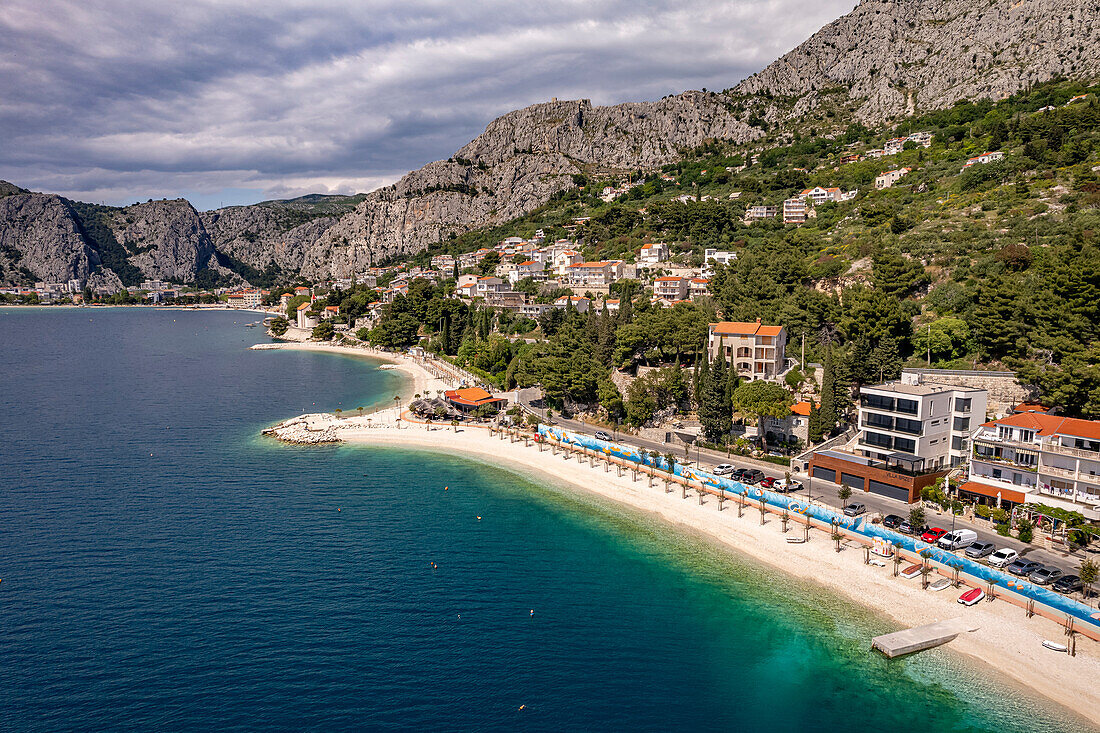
{"x": 1002, "y": 530}
{"x": 1024, "y": 530}
{"x": 983, "y": 511}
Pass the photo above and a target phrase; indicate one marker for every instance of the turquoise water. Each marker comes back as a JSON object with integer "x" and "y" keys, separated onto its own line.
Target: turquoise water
{"x": 165, "y": 568}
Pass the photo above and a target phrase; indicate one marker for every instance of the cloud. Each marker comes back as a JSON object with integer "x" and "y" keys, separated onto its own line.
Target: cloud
{"x": 117, "y": 100}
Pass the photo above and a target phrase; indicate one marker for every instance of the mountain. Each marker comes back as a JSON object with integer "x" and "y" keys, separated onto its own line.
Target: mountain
{"x": 884, "y": 60}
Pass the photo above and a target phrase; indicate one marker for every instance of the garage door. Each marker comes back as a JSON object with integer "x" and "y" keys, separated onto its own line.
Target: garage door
{"x": 856, "y": 482}
{"x": 894, "y": 492}
{"x": 825, "y": 473}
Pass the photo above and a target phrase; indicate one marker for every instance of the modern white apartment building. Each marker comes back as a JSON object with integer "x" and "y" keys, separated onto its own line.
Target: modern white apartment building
{"x": 756, "y": 351}
{"x": 754, "y": 213}
{"x": 795, "y": 211}
{"x": 1035, "y": 457}
{"x": 670, "y": 288}
{"x": 818, "y": 195}
{"x": 918, "y": 427}
{"x": 652, "y": 253}
{"x": 593, "y": 274}
{"x": 889, "y": 178}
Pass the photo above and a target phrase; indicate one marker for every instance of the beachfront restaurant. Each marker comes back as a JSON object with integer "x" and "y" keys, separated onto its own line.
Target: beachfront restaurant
{"x": 468, "y": 399}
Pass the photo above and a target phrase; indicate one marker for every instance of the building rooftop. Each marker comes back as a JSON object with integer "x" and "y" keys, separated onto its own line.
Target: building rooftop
{"x": 1045, "y": 424}
{"x": 917, "y": 390}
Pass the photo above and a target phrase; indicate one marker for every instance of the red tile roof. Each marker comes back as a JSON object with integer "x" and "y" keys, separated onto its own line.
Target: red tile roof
{"x": 992, "y": 491}
{"x": 801, "y": 408}
{"x": 472, "y": 396}
{"x": 1045, "y": 424}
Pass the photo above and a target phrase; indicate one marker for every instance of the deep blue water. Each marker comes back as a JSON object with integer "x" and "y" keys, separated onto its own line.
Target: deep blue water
{"x": 165, "y": 568}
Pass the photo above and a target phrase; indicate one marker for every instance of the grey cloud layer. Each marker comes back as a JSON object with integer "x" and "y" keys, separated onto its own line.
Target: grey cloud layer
{"x": 115, "y": 99}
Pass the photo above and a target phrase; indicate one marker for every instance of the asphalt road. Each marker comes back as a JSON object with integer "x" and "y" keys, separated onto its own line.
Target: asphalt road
{"x": 824, "y": 492}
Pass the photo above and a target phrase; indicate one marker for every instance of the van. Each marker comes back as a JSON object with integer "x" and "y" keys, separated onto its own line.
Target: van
{"x": 958, "y": 539}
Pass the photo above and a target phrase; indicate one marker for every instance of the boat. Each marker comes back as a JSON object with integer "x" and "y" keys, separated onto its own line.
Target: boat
{"x": 912, "y": 571}
{"x": 1055, "y": 646}
{"x": 877, "y": 563}
{"x": 939, "y": 584}
{"x": 972, "y": 596}
{"x": 796, "y": 540}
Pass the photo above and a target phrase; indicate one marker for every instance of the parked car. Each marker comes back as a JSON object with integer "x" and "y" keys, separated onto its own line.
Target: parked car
{"x": 739, "y": 474}
{"x": 980, "y": 549}
{"x": 1068, "y": 584}
{"x": 1023, "y": 567}
{"x": 933, "y": 535}
{"x": 601, "y": 435}
{"x": 854, "y": 509}
{"x": 723, "y": 468}
{"x": 784, "y": 486}
{"x": 958, "y": 539}
{"x": 1003, "y": 557}
{"x": 905, "y": 527}
{"x": 752, "y": 476}
{"x": 1045, "y": 575}
{"x": 767, "y": 482}
{"x": 892, "y": 521}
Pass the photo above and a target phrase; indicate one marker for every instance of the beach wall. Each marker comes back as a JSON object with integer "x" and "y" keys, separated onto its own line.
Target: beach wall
{"x": 1004, "y": 584}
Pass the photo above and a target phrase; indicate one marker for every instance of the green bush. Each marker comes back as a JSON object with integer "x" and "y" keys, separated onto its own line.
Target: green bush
{"x": 983, "y": 511}
{"x": 1002, "y": 530}
{"x": 1024, "y": 530}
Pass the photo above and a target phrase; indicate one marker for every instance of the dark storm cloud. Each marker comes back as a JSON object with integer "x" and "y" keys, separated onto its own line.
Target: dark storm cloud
{"x": 117, "y": 100}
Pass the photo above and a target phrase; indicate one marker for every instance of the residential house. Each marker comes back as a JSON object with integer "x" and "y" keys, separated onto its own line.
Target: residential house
{"x": 794, "y": 211}
{"x": 528, "y": 268}
{"x": 489, "y": 284}
{"x": 851, "y": 158}
{"x": 876, "y": 153}
{"x": 580, "y": 303}
{"x": 924, "y": 139}
{"x": 330, "y": 312}
{"x": 534, "y": 310}
{"x": 818, "y": 195}
{"x": 889, "y": 178}
{"x": 564, "y": 259}
{"x": 755, "y": 350}
{"x": 1036, "y": 458}
{"x": 593, "y": 274}
{"x": 444, "y": 263}
{"x": 652, "y": 253}
{"x": 698, "y": 287}
{"x": 984, "y": 158}
{"x": 795, "y": 427}
{"x": 910, "y": 435}
{"x": 756, "y": 213}
{"x": 510, "y": 299}
{"x": 670, "y": 288}
{"x": 712, "y": 257}
{"x": 895, "y": 145}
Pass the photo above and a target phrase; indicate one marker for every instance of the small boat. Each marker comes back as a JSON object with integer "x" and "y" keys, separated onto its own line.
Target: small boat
{"x": 972, "y": 596}
{"x": 877, "y": 563}
{"x": 796, "y": 540}
{"x": 1055, "y": 646}
{"x": 912, "y": 571}
{"x": 939, "y": 584}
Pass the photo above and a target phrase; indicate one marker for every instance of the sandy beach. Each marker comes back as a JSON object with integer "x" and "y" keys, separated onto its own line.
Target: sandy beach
{"x": 1006, "y": 640}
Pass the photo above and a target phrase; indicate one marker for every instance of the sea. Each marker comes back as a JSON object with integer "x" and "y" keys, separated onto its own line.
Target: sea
{"x": 163, "y": 566}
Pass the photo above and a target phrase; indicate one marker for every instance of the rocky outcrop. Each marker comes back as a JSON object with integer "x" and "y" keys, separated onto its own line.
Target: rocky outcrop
{"x": 164, "y": 239}
{"x": 312, "y": 429}
{"x": 897, "y": 56}
{"x": 262, "y": 236}
{"x": 40, "y": 239}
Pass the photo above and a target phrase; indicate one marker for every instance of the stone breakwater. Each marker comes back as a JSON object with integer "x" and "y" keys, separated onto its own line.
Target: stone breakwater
{"x": 309, "y": 429}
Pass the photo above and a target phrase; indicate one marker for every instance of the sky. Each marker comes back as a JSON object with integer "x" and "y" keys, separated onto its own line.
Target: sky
{"x": 236, "y": 101}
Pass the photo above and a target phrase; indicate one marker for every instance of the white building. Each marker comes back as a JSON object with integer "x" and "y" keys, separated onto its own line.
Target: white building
{"x": 794, "y": 211}
{"x": 918, "y": 427}
{"x": 756, "y": 351}
{"x": 712, "y": 257}
{"x": 670, "y": 288}
{"x": 652, "y": 253}
{"x": 755, "y": 213}
{"x": 984, "y": 158}
{"x": 818, "y": 195}
{"x": 1035, "y": 457}
{"x": 889, "y": 178}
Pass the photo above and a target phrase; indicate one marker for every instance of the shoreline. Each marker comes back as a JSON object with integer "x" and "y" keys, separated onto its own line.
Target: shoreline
{"x": 1006, "y": 642}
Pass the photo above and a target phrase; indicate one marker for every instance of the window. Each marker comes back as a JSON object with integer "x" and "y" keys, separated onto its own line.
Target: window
{"x": 905, "y": 445}
{"x": 961, "y": 424}
{"x": 904, "y": 425}
{"x": 962, "y": 404}
{"x": 909, "y": 407}
{"x": 877, "y": 402}
{"x": 877, "y": 439}
{"x": 957, "y": 443}
{"x": 879, "y": 421}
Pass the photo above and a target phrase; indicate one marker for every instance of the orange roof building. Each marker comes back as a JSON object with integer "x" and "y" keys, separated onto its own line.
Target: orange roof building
{"x": 756, "y": 350}
{"x": 468, "y": 399}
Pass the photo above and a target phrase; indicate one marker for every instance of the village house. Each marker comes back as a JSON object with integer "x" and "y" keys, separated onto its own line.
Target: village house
{"x": 489, "y": 284}
{"x": 580, "y": 303}
{"x": 756, "y": 213}
{"x": 510, "y": 299}
{"x": 330, "y": 312}
{"x": 794, "y": 211}
{"x": 984, "y": 158}
{"x": 924, "y": 139}
{"x": 670, "y": 288}
{"x": 564, "y": 259}
{"x": 894, "y": 146}
{"x": 818, "y": 195}
{"x": 534, "y": 310}
{"x": 652, "y": 253}
{"x": 712, "y": 257}
{"x": 528, "y": 268}
{"x": 876, "y": 153}
{"x": 593, "y": 274}
{"x": 445, "y": 263}
{"x": 889, "y": 178}
{"x": 755, "y": 350}
{"x": 795, "y": 427}
{"x": 698, "y": 287}
{"x": 1036, "y": 457}
{"x": 851, "y": 158}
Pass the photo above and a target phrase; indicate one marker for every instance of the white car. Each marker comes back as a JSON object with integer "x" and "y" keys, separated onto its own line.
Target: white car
{"x": 722, "y": 469}
{"x": 1003, "y": 557}
{"x": 783, "y": 486}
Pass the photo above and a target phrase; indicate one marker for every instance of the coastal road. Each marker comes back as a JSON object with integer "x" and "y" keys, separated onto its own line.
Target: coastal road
{"x": 824, "y": 492}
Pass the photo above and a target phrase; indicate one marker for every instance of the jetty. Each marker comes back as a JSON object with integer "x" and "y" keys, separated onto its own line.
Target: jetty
{"x": 919, "y": 638}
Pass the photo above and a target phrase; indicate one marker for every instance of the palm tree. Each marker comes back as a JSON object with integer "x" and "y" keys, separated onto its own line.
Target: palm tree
{"x": 837, "y": 535}
{"x": 396, "y": 401}
{"x": 337, "y": 412}
{"x": 671, "y": 469}
{"x": 360, "y": 409}
{"x": 925, "y": 567}
{"x": 454, "y": 424}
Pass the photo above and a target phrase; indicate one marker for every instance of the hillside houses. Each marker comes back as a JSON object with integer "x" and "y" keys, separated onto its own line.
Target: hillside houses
{"x": 889, "y": 178}
{"x": 984, "y": 158}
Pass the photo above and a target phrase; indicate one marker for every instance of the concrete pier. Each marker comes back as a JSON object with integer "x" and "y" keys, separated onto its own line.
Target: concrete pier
{"x": 919, "y": 638}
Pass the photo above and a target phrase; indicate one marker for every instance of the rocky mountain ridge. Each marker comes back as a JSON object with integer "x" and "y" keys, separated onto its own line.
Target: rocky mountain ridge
{"x": 889, "y": 57}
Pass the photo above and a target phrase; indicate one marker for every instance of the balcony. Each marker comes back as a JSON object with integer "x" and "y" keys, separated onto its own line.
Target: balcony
{"x": 1060, "y": 472}
{"x": 1001, "y": 481}
{"x": 993, "y": 438}
{"x": 1066, "y": 450}
{"x": 1030, "y": 468}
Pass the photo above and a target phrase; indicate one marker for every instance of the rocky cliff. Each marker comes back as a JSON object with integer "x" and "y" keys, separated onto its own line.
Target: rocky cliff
{"x": 897, "y": 56}
{"x": 890, "y": 57}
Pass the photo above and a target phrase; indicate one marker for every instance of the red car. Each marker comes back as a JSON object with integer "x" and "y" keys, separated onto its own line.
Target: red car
{"x": 767, "y": 482}
{"x": 933, "y": 534}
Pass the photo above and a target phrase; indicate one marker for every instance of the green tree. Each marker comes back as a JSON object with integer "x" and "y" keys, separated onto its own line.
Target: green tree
{"x": 279, "y": 326}
{"x": 714, "y": 413}
{"x": 762, "y": 399}
{"x": 828, "y": 416}
{"x": 323, "y": 331}
{"x": 1088, "y": 572}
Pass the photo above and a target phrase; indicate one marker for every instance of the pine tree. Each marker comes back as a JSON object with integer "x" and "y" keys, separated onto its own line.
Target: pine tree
{"x": 732, "y": 383}
{"x": 858, "y": 363}
{"x": 714, "y": 413}
{"x": 886, "y": 361}
{"x": 702, "y": 374}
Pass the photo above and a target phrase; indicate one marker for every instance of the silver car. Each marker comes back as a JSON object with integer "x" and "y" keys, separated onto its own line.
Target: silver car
{"x": 1045, "y": 575}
